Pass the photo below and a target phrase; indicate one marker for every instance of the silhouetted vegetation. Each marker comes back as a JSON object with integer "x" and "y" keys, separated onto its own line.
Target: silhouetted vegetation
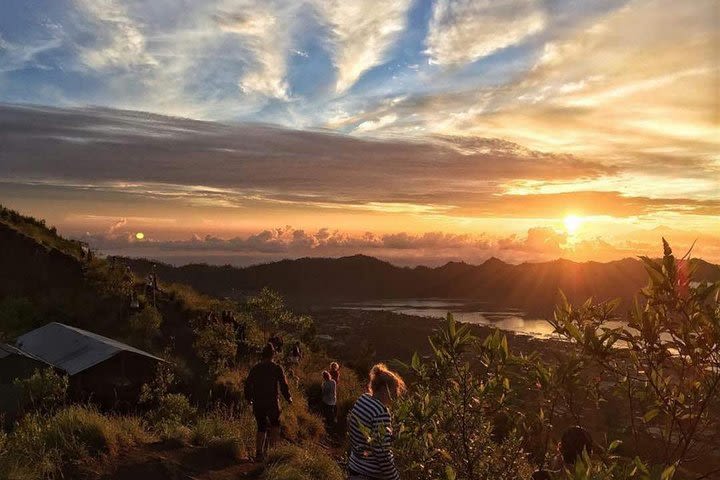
{"x": 646, "y": 384}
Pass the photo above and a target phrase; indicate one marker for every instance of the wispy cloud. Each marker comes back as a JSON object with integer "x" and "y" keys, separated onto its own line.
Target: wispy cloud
{"x": 363, "y": 31}
{"x": 462, "y": 31}
{"x": 120, "y": 44}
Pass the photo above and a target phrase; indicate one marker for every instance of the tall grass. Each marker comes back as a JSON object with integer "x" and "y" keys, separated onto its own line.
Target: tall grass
{"x": 47, "y": 446}
{"x": 292, "y": 462}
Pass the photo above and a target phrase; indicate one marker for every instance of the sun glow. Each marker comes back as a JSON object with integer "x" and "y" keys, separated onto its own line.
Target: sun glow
{"x": 572, "y": 224}
{"x": 140, "y": 235}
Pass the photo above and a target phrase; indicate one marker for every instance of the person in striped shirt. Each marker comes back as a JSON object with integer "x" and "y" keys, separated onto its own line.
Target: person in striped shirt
{"x": 370, "y": 429}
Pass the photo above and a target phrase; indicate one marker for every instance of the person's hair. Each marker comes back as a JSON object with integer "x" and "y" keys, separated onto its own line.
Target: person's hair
{"x": 326, "y": 375}
{"x": 268, "y": 351}
{"x": 384, "y": 379}
{"x": 334, "y": 366}
{"x": 574, "y": 440}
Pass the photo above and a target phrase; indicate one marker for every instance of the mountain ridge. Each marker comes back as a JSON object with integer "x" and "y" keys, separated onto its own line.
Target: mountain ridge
{"x": 533, "y": 287}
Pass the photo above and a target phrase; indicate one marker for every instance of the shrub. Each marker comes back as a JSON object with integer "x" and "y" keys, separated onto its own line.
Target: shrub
{"x": 44, "y": 389}
{"x": 668, "y": 368}
{"x": 172, "y": 409}
{"x": 446, "y": 427}
{"x": 45, "y": 446}
{"x": 145, "y": 324}
{"x": 291, "y": 462}
{"x": 215, "y": 343}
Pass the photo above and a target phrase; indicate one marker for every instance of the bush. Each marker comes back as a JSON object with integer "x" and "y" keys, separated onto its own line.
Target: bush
{"x": 215, "y": 343}
{"x": 173, "y": 409}
{"x": 446, "y": 423}
{"x": 227, "y": 432}
{"x": 44, "y": 389}
{"x": 291, "y": 462}
{"x": 46, "y": 446}
{"x": 145, "y": 325}
{"x": 668, "y": 367}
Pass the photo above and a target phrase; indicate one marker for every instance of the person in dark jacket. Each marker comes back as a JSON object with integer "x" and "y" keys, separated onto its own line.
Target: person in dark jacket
{"x": 264, "y": 383}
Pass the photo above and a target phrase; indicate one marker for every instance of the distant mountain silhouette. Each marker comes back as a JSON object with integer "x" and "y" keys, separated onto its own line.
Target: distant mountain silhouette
{"x": 532, "y": 287}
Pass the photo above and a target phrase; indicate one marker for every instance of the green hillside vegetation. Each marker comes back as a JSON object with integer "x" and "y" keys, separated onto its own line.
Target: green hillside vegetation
{"x": 476, "y": 409}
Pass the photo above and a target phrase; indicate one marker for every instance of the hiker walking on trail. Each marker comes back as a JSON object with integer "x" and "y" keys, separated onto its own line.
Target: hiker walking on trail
{"x": 295, "y": 354}
{"x": 370, "y": 429}
{"x": 329, "y": 399}
{"x": 262, "y": 387}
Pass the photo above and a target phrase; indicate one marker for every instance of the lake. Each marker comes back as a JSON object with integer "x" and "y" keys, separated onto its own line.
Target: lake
{"x": 467, "y": 311}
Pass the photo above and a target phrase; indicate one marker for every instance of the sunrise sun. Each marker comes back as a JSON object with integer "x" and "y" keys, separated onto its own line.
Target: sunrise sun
{"x": 572, "y": 224}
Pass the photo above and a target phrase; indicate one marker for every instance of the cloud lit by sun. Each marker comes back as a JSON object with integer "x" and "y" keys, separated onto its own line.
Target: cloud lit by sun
{"x": 572, "y": 224}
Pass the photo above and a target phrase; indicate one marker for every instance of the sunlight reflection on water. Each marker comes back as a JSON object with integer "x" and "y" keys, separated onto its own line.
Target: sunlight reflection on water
{"x": 508, "y": 319}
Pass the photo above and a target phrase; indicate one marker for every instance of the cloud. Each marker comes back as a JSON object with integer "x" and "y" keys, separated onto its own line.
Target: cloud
{"x": 462, "y": 31}
{"x": 121, "y": 42}
{"x": 165, "y": 159}
{"x": 265, "y": 33}
{"x": 538, "y": 240}
{"x": 15, "y": 56}
{"x": 363, "y": 31}
{"x": 429, "y": 248}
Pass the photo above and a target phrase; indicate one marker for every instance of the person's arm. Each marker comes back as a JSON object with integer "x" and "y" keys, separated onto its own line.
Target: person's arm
{"x": 249, "y": 386}
{"x": 382, "y": 449}
{"x": 284, "y": 388}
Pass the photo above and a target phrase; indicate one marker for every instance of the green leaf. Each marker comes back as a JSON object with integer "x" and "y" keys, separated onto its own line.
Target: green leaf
{"x": 415, "y": 363}
{"x": 614, "y": 445}
{"x": 450, "y": 473}
{"x": 668, "y": 473}
{"x": 650, "y": 414}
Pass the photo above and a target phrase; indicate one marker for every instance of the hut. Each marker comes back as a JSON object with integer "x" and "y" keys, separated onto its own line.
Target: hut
{"x": 101, "y": 369}
{"x": 14, "y": 364}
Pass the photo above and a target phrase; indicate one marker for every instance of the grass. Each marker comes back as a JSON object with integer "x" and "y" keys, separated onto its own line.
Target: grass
{"x": 292, "y": 462}
{"x": 230, "y": 433}
{"x": 48, "y": 446}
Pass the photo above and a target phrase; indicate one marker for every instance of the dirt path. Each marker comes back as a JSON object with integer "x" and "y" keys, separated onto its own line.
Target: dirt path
{"x": 159, "y": 462}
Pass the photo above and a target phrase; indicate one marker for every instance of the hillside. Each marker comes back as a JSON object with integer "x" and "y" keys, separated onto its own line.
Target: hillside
{"x": 532, "y": 287}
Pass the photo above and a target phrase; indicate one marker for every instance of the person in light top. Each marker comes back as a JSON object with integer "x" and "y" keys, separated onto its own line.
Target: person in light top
{"x": 370, "y": 427}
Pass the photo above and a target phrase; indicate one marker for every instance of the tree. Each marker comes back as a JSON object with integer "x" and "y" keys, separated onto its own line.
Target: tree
{"x": 447, "y": 423}
{"x": 215, "y": 343}
{"x": 269, "y": 311}
{"x": 665, "y": 361}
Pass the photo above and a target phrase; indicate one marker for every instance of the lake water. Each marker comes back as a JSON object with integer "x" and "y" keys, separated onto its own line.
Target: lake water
{"x": 513, "y": 320}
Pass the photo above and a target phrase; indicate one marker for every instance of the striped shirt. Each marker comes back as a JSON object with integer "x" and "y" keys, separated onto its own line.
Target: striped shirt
{"x": 370, "y": 434}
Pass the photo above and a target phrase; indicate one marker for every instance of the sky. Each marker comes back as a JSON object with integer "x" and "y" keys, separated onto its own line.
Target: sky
{"x": 417, "y": 131}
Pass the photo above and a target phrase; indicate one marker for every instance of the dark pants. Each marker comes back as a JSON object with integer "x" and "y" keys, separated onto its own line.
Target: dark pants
{"x": 330, "y": 413}
{"x": 266, "y": 416}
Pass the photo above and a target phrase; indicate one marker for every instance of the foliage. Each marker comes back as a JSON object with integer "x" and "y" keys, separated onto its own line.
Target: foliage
{"x": 215, "y": 343}
{"x": 44, "y": 389}
{"x": 446, "y": 423}
{"x": 17, "y": 315}
{"x": 172, "y": 409}
{"x": 268, "y": 310}
{"x": 290, "y": 462}
{"x": 38, "y": 230}
{"x": 45, "y": 446}
{"x": 145, "y": 324}
{"x": 226, "y": 431}
{"x": 666, "y": 362}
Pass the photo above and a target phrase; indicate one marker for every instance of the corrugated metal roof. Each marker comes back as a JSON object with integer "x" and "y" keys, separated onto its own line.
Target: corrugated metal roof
{"x": 7, "y": 350}
{"x": 72, "y": 349}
